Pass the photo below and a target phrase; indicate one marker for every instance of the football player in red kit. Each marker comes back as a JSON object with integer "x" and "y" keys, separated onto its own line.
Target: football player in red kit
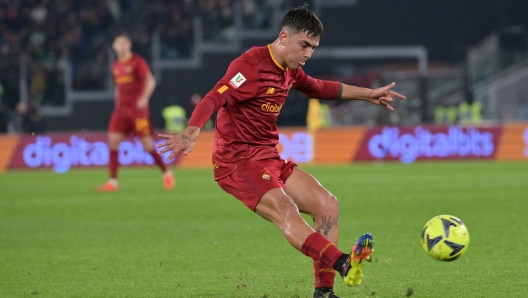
{"x": 134, "y": 84}
{"x": 245, "y": 159}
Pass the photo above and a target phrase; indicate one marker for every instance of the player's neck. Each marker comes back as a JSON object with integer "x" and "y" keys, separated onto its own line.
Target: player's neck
{"x": 276, "y": 53}
{"x": 125, "y": 57}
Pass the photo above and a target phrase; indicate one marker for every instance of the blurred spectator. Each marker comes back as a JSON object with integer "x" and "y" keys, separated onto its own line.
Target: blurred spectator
{"x": 55, "y": 34}
{"x": 218, "y": 22}
{"x": 257, "y": 14}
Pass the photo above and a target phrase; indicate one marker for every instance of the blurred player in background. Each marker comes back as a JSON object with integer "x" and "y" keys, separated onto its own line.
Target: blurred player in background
{"x": 134, "y": 85}
{"x": 246, "y": 162}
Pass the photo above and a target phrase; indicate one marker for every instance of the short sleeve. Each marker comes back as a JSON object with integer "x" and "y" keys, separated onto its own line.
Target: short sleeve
{"x": 142, "y": 68}
{"x": 240, "y": 82}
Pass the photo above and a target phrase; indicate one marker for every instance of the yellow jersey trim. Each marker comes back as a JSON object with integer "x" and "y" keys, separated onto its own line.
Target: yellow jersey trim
{"x": 273, "y": 58}
{"x": 222, "y": 89}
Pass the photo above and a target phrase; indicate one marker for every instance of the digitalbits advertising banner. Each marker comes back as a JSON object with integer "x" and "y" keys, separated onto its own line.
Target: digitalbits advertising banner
{"x": 408, "y": 144}
{"x": 61, "y": 152}
{"x": 339, "y": 145}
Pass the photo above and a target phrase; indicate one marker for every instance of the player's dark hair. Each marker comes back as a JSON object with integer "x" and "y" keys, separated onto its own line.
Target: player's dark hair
{"x": 301, "y": 19}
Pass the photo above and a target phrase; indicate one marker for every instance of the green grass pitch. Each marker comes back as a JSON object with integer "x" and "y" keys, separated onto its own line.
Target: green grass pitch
{"x": 59, "y": 238}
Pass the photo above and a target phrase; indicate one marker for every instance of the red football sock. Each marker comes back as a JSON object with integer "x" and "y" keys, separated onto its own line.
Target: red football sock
{"x": 113, "y": 164}
{"x": 324, "y": 275}
{"x": 320, "y": 249}
{"x": 158, "y": 160}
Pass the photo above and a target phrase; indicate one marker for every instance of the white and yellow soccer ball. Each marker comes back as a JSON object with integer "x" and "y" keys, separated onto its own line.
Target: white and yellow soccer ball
{"x": 445, "y": 238}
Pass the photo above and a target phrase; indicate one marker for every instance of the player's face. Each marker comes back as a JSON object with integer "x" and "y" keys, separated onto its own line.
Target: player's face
{"x": 299, "y": 47}
{"x": 122, "y": 46}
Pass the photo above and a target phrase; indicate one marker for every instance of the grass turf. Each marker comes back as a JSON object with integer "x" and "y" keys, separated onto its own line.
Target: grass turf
{"x": 58, "y": 238}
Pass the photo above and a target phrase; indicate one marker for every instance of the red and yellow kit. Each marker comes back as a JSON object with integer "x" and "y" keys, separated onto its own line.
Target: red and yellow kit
{"x": 129, "y": 79}
{"x": 249, "y": 99}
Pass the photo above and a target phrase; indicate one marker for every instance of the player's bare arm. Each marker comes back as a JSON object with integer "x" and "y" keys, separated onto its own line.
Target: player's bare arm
{"x": 150, "y": 85}
{"x": 180, "y": 142}
{"x": 381, "y": 96}
{"x": 116, "y": 94}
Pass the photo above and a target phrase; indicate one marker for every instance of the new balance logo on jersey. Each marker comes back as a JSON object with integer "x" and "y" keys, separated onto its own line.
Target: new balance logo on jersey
{"x": 237, "y": 80}
{"x": 270, "y": 91}
{"x": 271, "y": 108}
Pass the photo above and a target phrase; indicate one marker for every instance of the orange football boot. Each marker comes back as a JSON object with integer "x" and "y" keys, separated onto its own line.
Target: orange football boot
{"x": 168, "y": 180}
{"x": 108, "y": 187}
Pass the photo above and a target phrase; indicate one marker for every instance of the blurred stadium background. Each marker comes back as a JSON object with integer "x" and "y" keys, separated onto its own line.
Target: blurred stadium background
{"x": 456, "y": 64}
{"x": 55, "y": 56}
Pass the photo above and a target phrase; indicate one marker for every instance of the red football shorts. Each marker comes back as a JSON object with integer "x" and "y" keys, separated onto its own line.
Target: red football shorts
{"x": 129, "y": 125}
{"x": 251, "y": 180}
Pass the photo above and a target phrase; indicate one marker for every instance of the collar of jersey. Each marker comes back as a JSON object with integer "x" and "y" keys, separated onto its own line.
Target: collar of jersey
{"x": 273, "y": 58}
{"x": 126, "y": 60}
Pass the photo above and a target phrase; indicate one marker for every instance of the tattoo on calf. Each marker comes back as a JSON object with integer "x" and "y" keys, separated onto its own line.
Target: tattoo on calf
{"x": 327, "y": 224}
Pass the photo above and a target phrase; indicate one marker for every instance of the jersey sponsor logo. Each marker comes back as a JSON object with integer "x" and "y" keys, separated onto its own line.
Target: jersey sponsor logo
{"x": 124, "y": 79}
{"x": 270, "y": 91}
{"x": 271, "y": 108}
{"x": 238, "y": 80}
{"x": 266, "y": 177}
{"x": 128, "y": 69}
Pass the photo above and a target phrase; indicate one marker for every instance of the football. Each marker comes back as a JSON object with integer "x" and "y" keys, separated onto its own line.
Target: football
{"x": 445, "y": 238}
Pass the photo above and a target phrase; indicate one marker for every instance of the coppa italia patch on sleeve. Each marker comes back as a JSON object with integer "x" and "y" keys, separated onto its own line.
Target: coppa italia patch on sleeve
{"x": 237, "y": 80}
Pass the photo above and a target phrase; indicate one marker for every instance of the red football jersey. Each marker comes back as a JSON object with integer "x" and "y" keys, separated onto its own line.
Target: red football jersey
{"x": 129, "y": 79}
{"x": 251, "y": 96}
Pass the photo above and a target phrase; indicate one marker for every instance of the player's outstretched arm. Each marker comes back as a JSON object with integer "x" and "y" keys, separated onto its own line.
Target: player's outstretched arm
{"x": 180, "y": 142}
{"x": 201, "y": 114}
{"x": 381, "y": 96}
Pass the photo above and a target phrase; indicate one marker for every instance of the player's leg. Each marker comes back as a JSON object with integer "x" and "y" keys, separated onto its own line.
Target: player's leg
{"x": 114, "y": 139}
{"x": 257, "y": 184}
{"x": 148, "y": 145}
{"x": 313, "y": 199}
{"x": 277, "y": 207}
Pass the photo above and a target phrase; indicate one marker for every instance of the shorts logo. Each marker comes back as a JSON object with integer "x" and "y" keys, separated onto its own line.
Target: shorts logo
{"x": 237, "y": 80}
{"x": 270, "y": 91}
{"x": 143, "y": 126}
{"x": 271, "y": 108}
{"x": 266, "y": 177}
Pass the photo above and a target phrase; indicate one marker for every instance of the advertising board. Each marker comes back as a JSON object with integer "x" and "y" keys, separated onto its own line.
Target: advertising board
{"x": 63, "y": 151}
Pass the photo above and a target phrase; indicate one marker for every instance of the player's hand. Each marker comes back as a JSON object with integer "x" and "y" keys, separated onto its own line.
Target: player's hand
{"x": 384, "y": 96}
{"x": 141, "y": 104}
{"x": 180, "y": 142}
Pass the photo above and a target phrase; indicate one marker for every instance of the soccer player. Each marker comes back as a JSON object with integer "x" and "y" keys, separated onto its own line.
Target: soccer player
{"x": 245, "y": 159}
{"x": 134, "y": 84}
